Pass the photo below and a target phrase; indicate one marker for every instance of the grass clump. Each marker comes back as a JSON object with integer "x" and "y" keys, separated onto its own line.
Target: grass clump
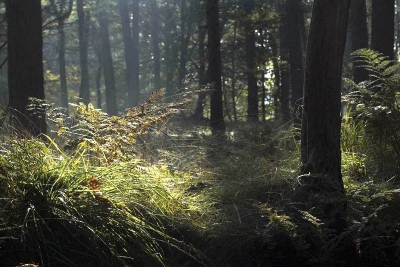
{"x": 63, "y": 212}
{"x": 84, "y": 197}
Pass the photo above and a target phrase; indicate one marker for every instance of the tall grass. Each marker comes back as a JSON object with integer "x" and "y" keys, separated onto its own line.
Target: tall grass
{"x": 58, "y": 210}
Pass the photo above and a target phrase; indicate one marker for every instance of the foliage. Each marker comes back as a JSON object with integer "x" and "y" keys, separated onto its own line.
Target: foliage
{"x": 374, "y": 103}
{"x": 82, "y": 199}
{"x": 58, "y": 209}
{"x": 111, "y": 138}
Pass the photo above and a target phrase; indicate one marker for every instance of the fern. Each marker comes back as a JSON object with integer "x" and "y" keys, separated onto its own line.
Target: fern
{"x": 375, "y": 102}
{"x": 109, "y": 138}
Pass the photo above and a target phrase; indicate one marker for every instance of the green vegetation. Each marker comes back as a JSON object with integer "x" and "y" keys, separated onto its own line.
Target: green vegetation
{"x": 137, "y": 190}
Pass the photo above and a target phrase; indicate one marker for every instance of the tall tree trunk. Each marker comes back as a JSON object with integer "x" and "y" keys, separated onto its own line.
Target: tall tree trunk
{"x": 186, "y": 33}
{"x": 98, "y": 86}
{"x": 215, "y": 68}
{"x": 294, "y": 14}
{"x": 359, "y": 28}
{"x": 136, "y": 51}
{"x": 61, "y": 15}
{"x": 63, "y": 71}
{"x": 320, "y": 132}
{"x": 155, "y": 39}
{"x": 170, "y": 51}
{"x": 128, "y": 49}
{"x": 199, "y": 111}
{"x": 233, "y": 63}
{"x": 83, "y": 32}
{"x": 397, "y": 27}
{"x": 277, "y": 74}
{"x": 382, "y": 27}
{"x": 252, "y": 95}
{"x": 108, "y": 68}
{"x": 285, "y": 74}
{"x": 25, "y": 65}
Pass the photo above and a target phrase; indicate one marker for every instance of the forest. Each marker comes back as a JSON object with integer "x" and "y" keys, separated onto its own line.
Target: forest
{"x": 199, "y": 133}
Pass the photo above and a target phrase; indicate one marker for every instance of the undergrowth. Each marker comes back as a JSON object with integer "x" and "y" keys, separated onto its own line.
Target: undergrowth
{"x": 135, "y": 190}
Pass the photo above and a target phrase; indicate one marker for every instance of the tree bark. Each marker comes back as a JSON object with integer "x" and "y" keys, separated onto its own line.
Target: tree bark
{"x": 277, "y": 74}
{"x": 252, "y": 95}
{"x": 170, "y": 51}
{"x": 199, "y": 111}
{"x": 321, "y": 121}
{"x": 83, "y": 32}
{"x": 136, "y": 51}
{"x": 359, "y": 28}
{"x": 25, "y": 65}
{"x": 128, "y": 49}
{"x": 108, "y": 68}
{"x": 215, "y": 68}
{"x": 186, "y": 28}
{"x": 61, "y": 16}
{"x": 382, "y": 27}
{"x": 155, "y": 39}
{"x": 294, "y": 14}
{"x": 284, "y": 95}
{"x": 233, "y": 78}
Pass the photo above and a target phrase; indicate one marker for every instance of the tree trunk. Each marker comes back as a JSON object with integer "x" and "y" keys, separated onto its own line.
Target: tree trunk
{"x": 199, "y": 111}
{"x": 382, "y": 27}
{"x": 136, "y": 51}
{"x": 294, "y": 16}
{"x": 25, "y": 65}
{"x": 397, "y": 23}
{"x": 277, "y": 74}
{"x": 233, "y": 63}
{"x": 321, "y": 122}
{"x": 155, "y": 38}
{"x": 61, "y": 16}
{"x": 63, "y": 71}
{"x": 215, "y": 68}
{"x": 285, "y": 74}
{"x": 108, "y": 68}
{"x": 98, "y": 86}
{"x": 128, "y": 49}
{"x": 186, "y": 28}
{"x": 170, "y": 51}
{"x": 252, "y": 95}
{"x": 359, "y": 28}
{"x": 83, "y": 32}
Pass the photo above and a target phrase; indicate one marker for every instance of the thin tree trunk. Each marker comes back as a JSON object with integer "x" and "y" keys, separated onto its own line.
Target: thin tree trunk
{"x": 199, "y": 111}
{"x": 155, "y": 38}
{"x": 252, "y": 95}
{"x": 233, "y": 63}
{"x": 293, "y": 17}
{"x": 83, "y": 32}
{"x": 98, "y": 86}
{"x": 186, "y": 34}
{"x": 61, "y": 16}
{"x": 170, "y": 52}
{"x": 277, "y": 75}
{"x": 359, "y": 28}
{"x": 215, "y": 68}
{"x": 285, "y": 74}
{"x": 108, "y": 68}
{"x": 63, "y": 71}
{"x": 225, "y": 100}
{"x": 136, "y": 51}
{"x": 128, "y": 49}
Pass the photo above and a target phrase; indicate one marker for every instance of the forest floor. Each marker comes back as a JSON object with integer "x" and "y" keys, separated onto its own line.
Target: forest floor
{"x": 180, "y": 200}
